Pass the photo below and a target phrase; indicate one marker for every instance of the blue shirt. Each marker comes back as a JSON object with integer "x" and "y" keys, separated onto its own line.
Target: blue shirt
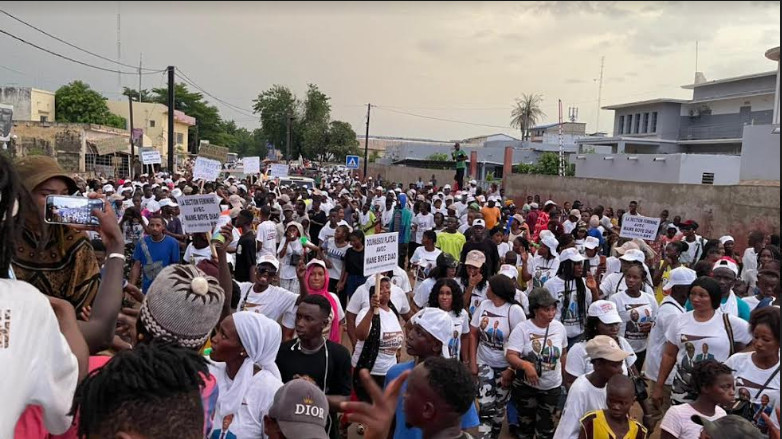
{"x": 165, "y": 251}
{"x": 469, "y": 419}
{"x": 744, "y": 310}
{"x": 596, "y": 234}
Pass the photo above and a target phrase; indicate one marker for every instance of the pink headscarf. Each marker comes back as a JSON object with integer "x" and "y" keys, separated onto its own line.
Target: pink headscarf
{"x": 334, "y": 335}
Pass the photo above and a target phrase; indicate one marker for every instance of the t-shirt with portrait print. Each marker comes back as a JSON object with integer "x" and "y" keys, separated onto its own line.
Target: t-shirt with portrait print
{"x": 548, "y": 344}
{"x": 751, "y": 385}
{"x": 494, "y": 324}
{"x": 638, "y": 315}
{"x": 391, "y": 340}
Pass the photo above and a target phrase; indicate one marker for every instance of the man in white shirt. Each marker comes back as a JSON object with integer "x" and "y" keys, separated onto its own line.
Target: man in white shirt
{"x": 572, "y": 221}
{"x": 266, "y": 236}
{"x": 270, "y": 300}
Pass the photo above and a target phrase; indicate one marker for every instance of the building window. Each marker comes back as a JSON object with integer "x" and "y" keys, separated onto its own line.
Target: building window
{"x": 621, "y": 125}
{"x": 629, "y": 126}
{"x": 653, "y": 126}
{"x": 152, "y": 124}
{"x": 44, "y": 119}
{"x": 645, "y": 124}
{"x": 180, "y": 138}
{"x": 637, "y": 125}
{"x": 707, "y": 178}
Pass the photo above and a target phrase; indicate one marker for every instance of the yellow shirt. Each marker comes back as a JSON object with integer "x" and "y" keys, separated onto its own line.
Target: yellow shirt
{"x": 595, "y": 426}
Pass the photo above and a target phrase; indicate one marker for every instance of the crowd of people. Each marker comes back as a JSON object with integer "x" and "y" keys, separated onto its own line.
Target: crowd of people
{"x": 537, "y": 317}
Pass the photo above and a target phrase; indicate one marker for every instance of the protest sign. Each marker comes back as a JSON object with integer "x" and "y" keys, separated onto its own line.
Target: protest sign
{"x": 381, "y": 252}
{"x": 251, "y": 165}
{"x": 278, "y": 170}
{"x": 199, "y": 213}
{"x": 637, "y": 226}
{"x": 150, "y": 156}
{"x": 206, "y": 169}
{"x": 213, "y": 152}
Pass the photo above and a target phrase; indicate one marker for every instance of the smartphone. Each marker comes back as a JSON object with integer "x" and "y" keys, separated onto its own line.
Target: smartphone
{"x": 68, "y": 209}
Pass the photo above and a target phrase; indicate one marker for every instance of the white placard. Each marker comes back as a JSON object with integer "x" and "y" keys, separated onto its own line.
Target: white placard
{"x": 251, "y": 165}
{"x": 199, "y": 213}
{"x": 207, "y": 169}
{"x": 381, "y": 252}
{"x": 150, "y": 156}
{"x": 637, "y": 226}
{"x": 278, "y": 170}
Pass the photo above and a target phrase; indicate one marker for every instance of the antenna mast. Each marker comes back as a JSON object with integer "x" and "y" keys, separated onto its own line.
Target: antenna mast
{"x": 599, "y": 94}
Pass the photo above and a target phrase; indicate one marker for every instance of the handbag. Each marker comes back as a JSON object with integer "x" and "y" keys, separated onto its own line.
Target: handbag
{"x": 152, "y": 268}
{"x": 641, "y": 392}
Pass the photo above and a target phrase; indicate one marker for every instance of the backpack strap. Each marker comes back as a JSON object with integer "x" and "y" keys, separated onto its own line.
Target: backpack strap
{"x": 729, "y": 330}
{"x": 767, "y": 381}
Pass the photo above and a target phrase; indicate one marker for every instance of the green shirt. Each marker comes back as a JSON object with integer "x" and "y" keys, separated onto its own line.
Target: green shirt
{"x": 461, "y": 159}
{"x": 451, "y": 243}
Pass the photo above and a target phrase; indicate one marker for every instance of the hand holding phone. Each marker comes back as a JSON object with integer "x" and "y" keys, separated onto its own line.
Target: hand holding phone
{"x": 72, "y": 210}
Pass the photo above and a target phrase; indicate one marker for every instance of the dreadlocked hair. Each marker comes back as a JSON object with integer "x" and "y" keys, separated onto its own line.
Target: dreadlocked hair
{"x": 705, "y": 373}
{"x": 152, "y": 390}
{"x": 9, "y": 195}
{"x": 565, "y": 272}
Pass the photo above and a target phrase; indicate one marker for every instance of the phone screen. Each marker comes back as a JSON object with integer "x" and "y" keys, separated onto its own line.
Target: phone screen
{"x": 66, "y": 209}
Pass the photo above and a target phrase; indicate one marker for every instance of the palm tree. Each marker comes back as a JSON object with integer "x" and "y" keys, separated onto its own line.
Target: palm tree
{"x": 526, "y": 113}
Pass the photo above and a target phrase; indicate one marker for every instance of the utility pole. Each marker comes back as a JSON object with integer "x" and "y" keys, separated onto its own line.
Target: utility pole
{"x": 132, "y": 145}
{"x": 599, "y": 94}
{"x": 119, "y": 52}
{"x": 561, "y": 148}
{"x": 366, "y": 143}
{"x": 171, "y": 133}
{"x": 139, "y": 77}
{"x": 288, "y": 137}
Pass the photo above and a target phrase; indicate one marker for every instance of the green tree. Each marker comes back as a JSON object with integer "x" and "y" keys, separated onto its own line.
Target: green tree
{"x": 526, "y": 113}
{"x": 341, "y": 141}
{"x": 314, "y": 124}
{"x": 78, "y": 103}
{"x": 275, "y": 106}
{"x": 209, "y": 124}
{"x": 548, "y": 164}
{"x": 438, "y": 157}
{"x": 145, "y": 95}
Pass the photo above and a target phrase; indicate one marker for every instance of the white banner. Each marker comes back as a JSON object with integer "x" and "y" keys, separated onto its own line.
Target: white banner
{"x": 150, "y": 156}
{"x": 251, "y": 165}
{"x": 637, "y": 226}
{"x": 381, "y": 252}
{"x": 199, "y": 213}
{"x": 278, "y": 170}
{"x": 206, "y": 169}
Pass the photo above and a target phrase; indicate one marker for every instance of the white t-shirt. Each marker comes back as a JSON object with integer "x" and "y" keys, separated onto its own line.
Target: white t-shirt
{"x": 750, "y": 259}
{"x": 266, "y": 235}
{"x": 494, "y": 325}
{"x": 615, "y": 283}
{"x": 568, "y": 226}
{"x": 195, "y": 255}
{"x": 289, "y": 320}
{"x": 678, "y": 423}
{"x": 461, "y": 326}
{"x": 667, "y": 314}
{"x": 248, "y": 421}
{"x": 360, "y": 299}
{"x": 569, "y": 317}
{"x": 541, "y": 270}
{"x": 750, "y": 377}
{"x": 275, "y": 303}
{"x": 528, "y": 337}
{"x": 422, "y": 223}
{"x": 638, "y": 316}
{"x": 391, "y": 340}
{"x": 582, "y": 398}
{"x": 578, "y": 362}
{"x": 336, "y": 256}
{"x": 422, "y": 292}
{"x": 401, "y": 279}
{"x": 288, "y": 271}
{"x": 476, "y": 297}
{"x": 503, "y": 248}
{"x": 426, "y": 259}
{"x": 36, "y": 363}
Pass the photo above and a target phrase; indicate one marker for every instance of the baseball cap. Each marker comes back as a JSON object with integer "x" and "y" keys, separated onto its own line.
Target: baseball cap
{"x": 446, "y": 260}
{"x": 575, "y": 212}
{"x": 591, "y": 242}
{"x": 627, "y": 246}
{"x": 269, "y": 259}
{"x": 606, "y": 348}
{"x": 447, "y": 186}
{"x": 723, "y": 239}
{"x": 476, "y": 258}
{"x": 633, "y": 255}
{"x": 287, "y": 207}
{"x": 176, "y": 193}
{"x": 479, "y": 223}
{"x": 550, "y": 241}
{"x": 689, "y": 224}
{"x": 437, "y": 323}
{"x": 549, "y": 202}
{"x": 571, "y": 254}
{"x": 473, "y": 182}
{"x": 108, "y": 188}
{"x": 728, "y": 427}
{"x": 605, "y": 311}
{"x": 518, "y": 217}
{"x": 728, "y": 263}
{"x": 301, "y": 410}
{"x": 509, "y": 270}
{"x": 167, "y": 202}
{"x": 236, "y": 201}
{"x": 680, "y": 276}
{"x": 234, "y": 212}
{"x": 533, "y": 205}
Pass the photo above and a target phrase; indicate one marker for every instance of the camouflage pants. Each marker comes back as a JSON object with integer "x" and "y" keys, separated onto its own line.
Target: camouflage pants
{"x": 536, "y": 411}
{"x": 492, "y": 399}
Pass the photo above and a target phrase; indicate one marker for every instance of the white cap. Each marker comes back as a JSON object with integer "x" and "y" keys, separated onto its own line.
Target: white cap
{"x": 475, "y": 258}
{"x": 723, "y": 240}
{"x": 591, "y": 242}
{"x": 166, "y": 202}
{"x": 154, "y": 186}
{"x": 549, "y": 202}
{"x": 397, "y": 190}
{"x": 571, "y": 254}
{"x": 551, "y": 242}
{"x": 447, "y": 186}
{"x": 726, "y": 263}
{"x": 176, "y": 193}
{"x": 478, "y": 222}
{"x": 153, "y": 206}
{"x": 473, "y": 182}
{"x": 438, "y": 324}
{"x": 680, "y": 276}
{"x": 108, "y": 188}
{"x": 269, "y": 259}
{"x": 633, "y": 255}
{"x": 533, "y": 205}
{"x": 379, "y": 188}
{"x": 604, "y": 310}
{"x": 509, "y": 270}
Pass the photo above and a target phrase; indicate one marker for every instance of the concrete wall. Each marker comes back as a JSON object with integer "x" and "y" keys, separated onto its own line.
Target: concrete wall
{"x": 667, "y": 120}
{"x": 19, "y": 97}
{"x": 724, "y": 168}
{"x": 620, "y": 168}
{"x": 760, "y": 154}
{"x": 42, "y": 105}
{"x": 735, "y": 87}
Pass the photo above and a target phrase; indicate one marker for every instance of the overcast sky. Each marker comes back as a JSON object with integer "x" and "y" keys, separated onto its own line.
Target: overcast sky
{"x": 452, "y": 60}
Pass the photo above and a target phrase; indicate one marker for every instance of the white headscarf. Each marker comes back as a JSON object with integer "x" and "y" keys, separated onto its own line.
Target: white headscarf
{"x": 261, "y": 337}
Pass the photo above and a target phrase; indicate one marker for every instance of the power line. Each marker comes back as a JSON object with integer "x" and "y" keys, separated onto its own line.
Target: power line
{"x": 441, "y": 119}
{"x": 71, "y": 59}
{"x": 73, "y": 45}
{"x": 236, "y": 108}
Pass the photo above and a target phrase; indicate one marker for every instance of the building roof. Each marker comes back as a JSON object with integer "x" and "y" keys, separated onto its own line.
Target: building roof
{"x": 469, "y": 139}
{"x": 647, "y": 102}
{"x": 733, "y": 79}
{"x": 733, "y": 96}
{"x": 554, "y": 124}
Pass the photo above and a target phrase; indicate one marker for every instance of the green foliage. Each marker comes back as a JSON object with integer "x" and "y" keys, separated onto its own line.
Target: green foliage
{"x": 209, "y": 124}
{"x": 341, "y": 141}
{"x": 526, "y": 113}
{"x": 275, "y": 106}
{"x": 548, "y": 164}
{"x": 145, "y": 96}
{"x": 373, "y": 156}
{"x": 490, "y": 176}
{"x": 78, "y": 103}
{"x": 438, "y": 157}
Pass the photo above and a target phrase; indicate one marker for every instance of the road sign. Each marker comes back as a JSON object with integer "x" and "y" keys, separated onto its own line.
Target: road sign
{"x": 351, "y": 162}
{"x": 381, "y": 252}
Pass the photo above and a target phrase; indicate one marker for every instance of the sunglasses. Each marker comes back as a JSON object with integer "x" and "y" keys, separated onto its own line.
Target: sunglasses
{"x": 263, "y": 271}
